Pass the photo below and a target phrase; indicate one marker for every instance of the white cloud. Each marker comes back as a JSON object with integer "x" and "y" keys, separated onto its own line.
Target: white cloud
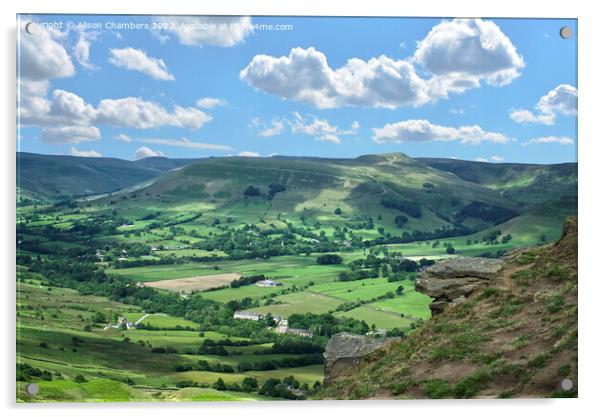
{"x": 144, "y": 152}
{"x": 561, "y": 140}
{"x": 87, "y": 154}
{"x": 184, "y": 143}
{"x": 122, "y": 137}
{"x": 310, "y": 125}
{"x": 481, "y": 159}
{"x": 136, "y": 60}
{"x": 423, "y": 131}
{"x": 275, "y": 128}
{"x": 560, "y": 100}
{"x": 456, "y": 54}
{"x": 249, "y": 154}
{"x": 41, "y": 56}
{"x": 467, "y": 50}
{"x": 81, "y": 50}
{"x": 304, "y": 75}
{"x": 210, "y": 102}
{"x": 495, "y": 158}
{"x": 140, "y": 114}
{"x": 70, "y": 134}
{"x": 224, "y": 31}
{"x": 320, "y": 129}
{"x": 526, "y": 116}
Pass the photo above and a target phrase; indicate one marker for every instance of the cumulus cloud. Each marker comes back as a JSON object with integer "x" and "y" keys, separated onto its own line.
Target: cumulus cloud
{"x": 456, "y": 55}
{"x": 70, "y": 134}
{"x": 224, "y": 31}
{"x": 141, "y": 114}
{"x": 561, "y": 140}
{"x": 68, "y": 110}
{"x": 136, "y": 60}
{"x": 305, "y": 75}
{"x": 560, "y": 100}
{"x": 249, "y": 154}
{"x": 525, "y": 116}
{"x": 211, "y": 102}
{"x": 481, "y": 159}
{"x": 144, "y": 152}
{"x": 424, "y": 131}
{"x": 495, "y": 158}
{"x": 185, "y": 143}
{"x": 81, "y": 50}
{"x": 87, "y": 154}
{"x": 467, "y": 50}
{"x": 122, "y": 137}
{"x": 42, "y": 56}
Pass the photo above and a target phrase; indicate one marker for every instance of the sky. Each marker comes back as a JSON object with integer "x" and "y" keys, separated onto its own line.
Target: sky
{"x": 495, "y": 90}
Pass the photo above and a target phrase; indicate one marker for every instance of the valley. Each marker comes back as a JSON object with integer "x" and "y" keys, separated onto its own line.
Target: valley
{"x": 188, "y": 241}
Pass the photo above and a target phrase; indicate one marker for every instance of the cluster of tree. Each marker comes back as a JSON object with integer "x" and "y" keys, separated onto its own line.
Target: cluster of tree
{"x": 486, "y": 212}
{"x": 204, "y": 365}
{"x": 26, "y": 372}
{"x": 326, "y": 324}
{"x": 411, "y": 208}
{"x": 329, "y": 259}
{"x": 292, "y": 362}
{"x": 287, "y": 388}
{"x": 247, "y": 280}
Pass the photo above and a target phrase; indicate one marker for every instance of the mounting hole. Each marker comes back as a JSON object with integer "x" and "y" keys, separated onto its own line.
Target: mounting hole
{"x": 566, "y": 384}
{"x": 565, "y": 32}
{"x": 32, "y": 389}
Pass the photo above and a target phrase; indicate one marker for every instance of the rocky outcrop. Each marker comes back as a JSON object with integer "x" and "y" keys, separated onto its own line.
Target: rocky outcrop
{"x": 451, "y": 280}
{"x": 344, "y": 352}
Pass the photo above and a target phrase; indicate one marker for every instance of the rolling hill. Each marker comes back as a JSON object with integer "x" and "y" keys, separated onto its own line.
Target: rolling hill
{"x": 62, "y": 176}
{"x": 525, "y": 184}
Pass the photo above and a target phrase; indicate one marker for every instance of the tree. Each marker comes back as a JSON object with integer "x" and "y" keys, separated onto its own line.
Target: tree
{"x": 401, "y": 220}
{"x": 338, "y": 211}
{"x": 450, "y": 249}
{"x": 399, "y": 290}
{"x": 269, "y": 320}
{"x": 219, "y": 385}
{"x": 252, "y": 191}
{"x": 249, "y": 384}
{"x": 329, "y": 259}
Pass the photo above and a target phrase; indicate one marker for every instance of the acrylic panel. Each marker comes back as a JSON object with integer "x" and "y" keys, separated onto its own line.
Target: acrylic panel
{"x": 267, "y": 208}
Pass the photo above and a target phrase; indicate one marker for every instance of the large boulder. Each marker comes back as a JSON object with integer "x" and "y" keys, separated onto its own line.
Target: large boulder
{"x": 344, "y": 352}
{"x": 451, "y": 280}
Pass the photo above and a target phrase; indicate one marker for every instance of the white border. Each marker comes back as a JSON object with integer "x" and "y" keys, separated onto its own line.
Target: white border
{"x": 590, "y": 137}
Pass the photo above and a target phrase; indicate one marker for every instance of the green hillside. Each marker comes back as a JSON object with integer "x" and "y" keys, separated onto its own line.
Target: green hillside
{"x": 61, "y": 176}
{"x": 516, "y": 337}
{"x": 526, "y": 184}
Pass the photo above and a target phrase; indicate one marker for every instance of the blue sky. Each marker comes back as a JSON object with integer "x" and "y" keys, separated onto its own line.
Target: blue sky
{"x": 498, "y": 90}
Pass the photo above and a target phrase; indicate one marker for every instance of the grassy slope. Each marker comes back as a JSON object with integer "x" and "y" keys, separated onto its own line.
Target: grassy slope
{"x": 515, "y": 338}
{"x": 55, "y": 176}
{"x": 523, "y": 183}
{"x": 315, "y": 188}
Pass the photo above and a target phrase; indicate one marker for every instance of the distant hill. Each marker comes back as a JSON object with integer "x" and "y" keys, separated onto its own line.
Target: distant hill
{"x": 517, "y": 337}
{"x": 386, "y": 185}
{"x": 61, "y": 176}
{"x": 423, "y": 194}
{"x": 526, "y": 184}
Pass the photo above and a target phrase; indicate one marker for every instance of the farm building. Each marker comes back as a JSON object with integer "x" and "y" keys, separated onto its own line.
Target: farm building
{"x": 268, "y": 283}
{"x": 246, "y": 315}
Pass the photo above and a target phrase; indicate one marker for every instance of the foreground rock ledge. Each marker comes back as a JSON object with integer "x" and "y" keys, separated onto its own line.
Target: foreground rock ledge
{"x": 344, "y": 352}
{"x": 451, "y": 280}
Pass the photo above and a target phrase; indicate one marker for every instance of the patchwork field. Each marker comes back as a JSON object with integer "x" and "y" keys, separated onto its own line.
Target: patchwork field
{"x": 198, "y": 283}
